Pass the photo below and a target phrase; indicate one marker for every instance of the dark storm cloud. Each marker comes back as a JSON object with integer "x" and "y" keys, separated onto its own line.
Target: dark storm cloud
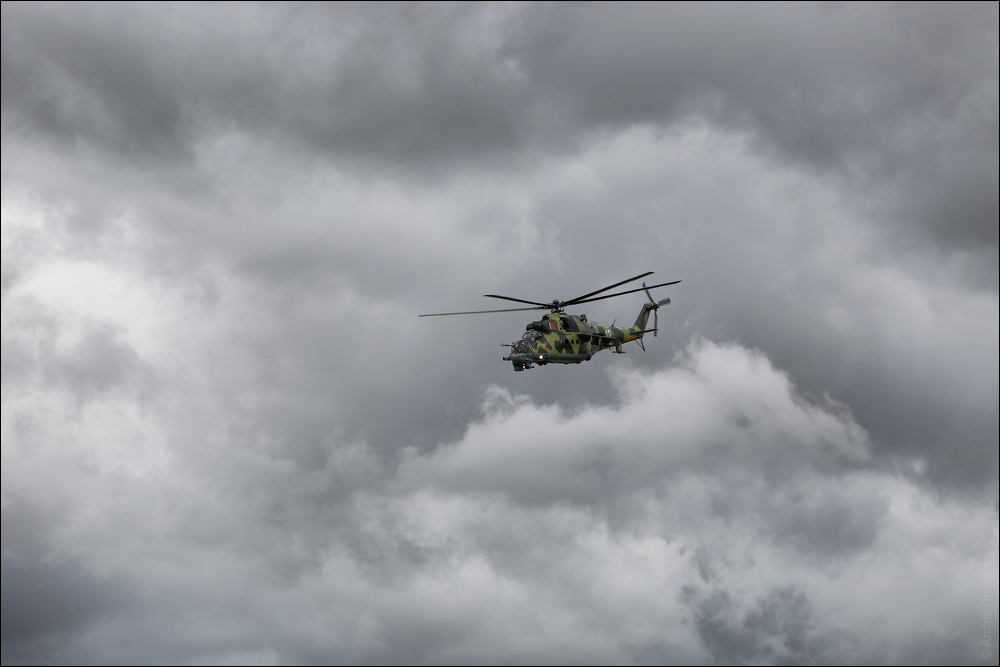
{"x": 905, "y": 87}
{"x": 227, "y": 437}
{"x": 76, "y": 75}
{"x": 48, "y": 599}
{"x": 898, "y": 103}
{"x": 775, "y": 632}
{"x": 898, "y": 97}
{"x": 399, "y": 80}
{"x": 45, "y": 604}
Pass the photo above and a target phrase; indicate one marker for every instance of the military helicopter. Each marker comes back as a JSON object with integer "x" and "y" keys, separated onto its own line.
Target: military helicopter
{"x": 559, "y": 338}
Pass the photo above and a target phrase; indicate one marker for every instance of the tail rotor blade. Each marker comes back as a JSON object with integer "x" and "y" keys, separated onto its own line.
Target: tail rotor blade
{"x": 655, "y": 309}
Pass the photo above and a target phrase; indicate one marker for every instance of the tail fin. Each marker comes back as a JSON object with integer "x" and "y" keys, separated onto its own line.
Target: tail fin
{"x": 640, "y": 322}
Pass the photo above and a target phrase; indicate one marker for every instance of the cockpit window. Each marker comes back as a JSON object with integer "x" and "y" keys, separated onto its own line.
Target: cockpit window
{"x": 568, "y": 324}
{"x": 527, "y": 339}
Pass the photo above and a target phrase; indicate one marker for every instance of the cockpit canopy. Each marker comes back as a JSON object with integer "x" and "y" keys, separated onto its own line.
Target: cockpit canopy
{"x": 529, "y": 339}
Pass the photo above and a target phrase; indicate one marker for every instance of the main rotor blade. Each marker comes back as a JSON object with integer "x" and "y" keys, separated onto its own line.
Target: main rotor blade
{"x": 535, "y": 305}
{"x": 580, "y": 299}
{"x": 608, "y": 296}
{"x": 510, "y": 298}
{"x": 478, "y": 312}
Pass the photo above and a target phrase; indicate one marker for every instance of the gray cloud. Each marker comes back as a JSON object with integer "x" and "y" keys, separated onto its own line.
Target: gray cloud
{"x": 226, "y": 436}
{"x": 721, "y": 547}
{"x": 776, "y": 631}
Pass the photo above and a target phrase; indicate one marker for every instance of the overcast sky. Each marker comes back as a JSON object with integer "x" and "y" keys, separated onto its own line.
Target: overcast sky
{"x": 227, "y": 436}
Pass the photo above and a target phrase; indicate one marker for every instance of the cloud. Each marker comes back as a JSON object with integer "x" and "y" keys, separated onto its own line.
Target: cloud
{"x": 603, "y": 450}
{"x": 892, "y": 99}
{"x": 227, "y": 436}
{"x": 711, "y": 513}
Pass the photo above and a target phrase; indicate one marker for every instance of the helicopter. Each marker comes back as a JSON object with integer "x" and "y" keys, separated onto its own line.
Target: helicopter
{"x": 559, "y": 338}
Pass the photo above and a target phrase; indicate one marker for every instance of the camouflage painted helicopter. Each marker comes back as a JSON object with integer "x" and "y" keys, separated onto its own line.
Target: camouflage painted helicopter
{"x": 559, "y": 338}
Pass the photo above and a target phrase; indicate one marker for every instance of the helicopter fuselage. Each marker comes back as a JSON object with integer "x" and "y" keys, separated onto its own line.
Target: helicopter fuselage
{"x": 559, "y": 338}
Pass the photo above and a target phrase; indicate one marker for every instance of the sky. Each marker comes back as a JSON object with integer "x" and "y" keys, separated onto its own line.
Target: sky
{"x": 228, "y": 438}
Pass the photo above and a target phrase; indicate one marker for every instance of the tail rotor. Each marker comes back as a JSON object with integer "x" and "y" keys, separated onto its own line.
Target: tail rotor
{"x": 655, "y": 307}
